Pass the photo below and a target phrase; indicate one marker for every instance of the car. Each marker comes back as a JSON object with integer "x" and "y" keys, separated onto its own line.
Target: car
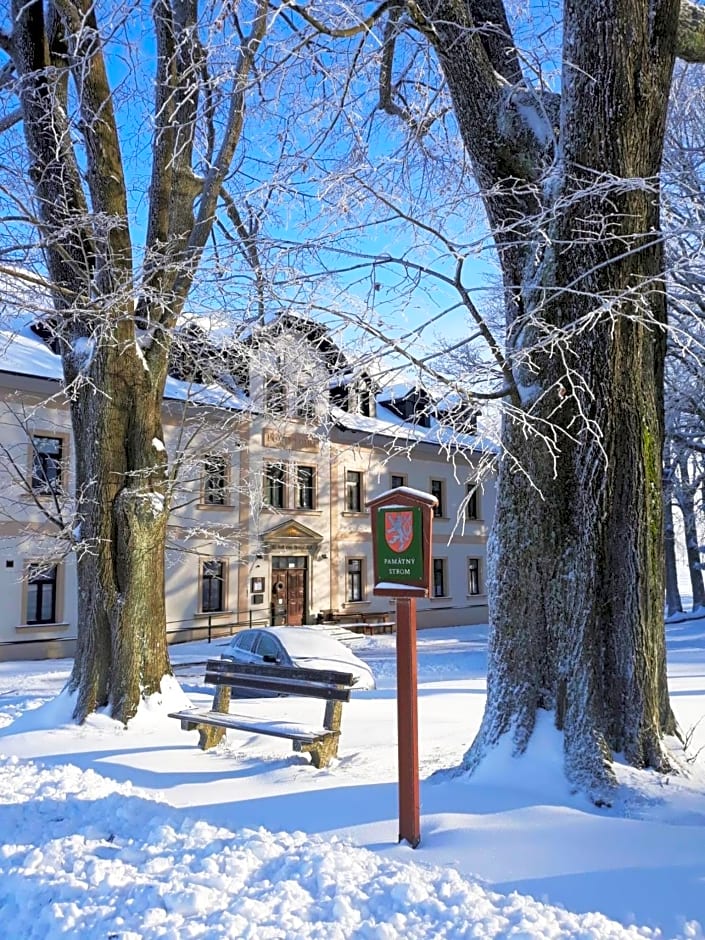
{"x": 303, "y": 647}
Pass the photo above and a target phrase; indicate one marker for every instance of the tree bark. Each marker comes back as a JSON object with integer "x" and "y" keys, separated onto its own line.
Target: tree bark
{"x": 576, "y": 552}
{"x": 674, "y": 605}
{"x": 122, "y": 652}
{"x": 685, "y": 495}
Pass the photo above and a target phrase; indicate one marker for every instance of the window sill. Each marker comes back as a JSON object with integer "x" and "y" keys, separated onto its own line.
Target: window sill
{"x": 440, "y": 597}
{"x": 43, "y": 626}
{"x": 477, "y": 597}
{"x": 203, "y": 615}
{"x": 355, "y": 513}
{"x": 216, "y": 507}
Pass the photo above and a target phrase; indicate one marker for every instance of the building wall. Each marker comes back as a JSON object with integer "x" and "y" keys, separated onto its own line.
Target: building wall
{"x": 248, "y": 536}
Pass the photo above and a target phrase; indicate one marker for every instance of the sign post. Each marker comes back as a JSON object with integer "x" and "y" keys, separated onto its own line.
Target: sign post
{"x": 401, "y": 538}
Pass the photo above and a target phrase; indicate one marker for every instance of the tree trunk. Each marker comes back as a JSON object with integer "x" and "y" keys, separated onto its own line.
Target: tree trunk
{"x": 674, "y": 604}
{"x": 576, "y": 553}
{"x": 686, "y": 502}
{"x": 120, "y": 473}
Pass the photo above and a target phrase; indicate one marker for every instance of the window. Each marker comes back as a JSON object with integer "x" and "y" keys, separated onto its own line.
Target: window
{"x": 354, "y": 579}
{"x": 245, "y": 641}
{"x": 439, "y": 577}
{"x": 353, "y": 491}
{"x": 215, "y": 480}
{"x": 47, "y": 453}
{"x": 274, "y": 396}
{"x": 437, "y": 491}
{"x": 212, "y": 586}
{"x": 275, "y": 486}
{"x": 398, "y": 480}
{"x": 268, "y": 648}
{"x": 471, "y": 501}
{"x": 305, "y": 481}
{"x": 474, "y": 576}
{"x": 41, "y": 594}
{"x": 305, "y": 404}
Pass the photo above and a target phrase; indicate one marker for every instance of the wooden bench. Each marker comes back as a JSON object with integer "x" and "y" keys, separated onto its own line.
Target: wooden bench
{"x": 369, "y": 623}
{"x": 268, "y": 680}
{"x": 371, "y": 629}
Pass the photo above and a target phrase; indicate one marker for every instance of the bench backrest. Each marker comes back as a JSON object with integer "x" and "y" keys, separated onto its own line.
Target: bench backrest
{"x": 281, "y": 680}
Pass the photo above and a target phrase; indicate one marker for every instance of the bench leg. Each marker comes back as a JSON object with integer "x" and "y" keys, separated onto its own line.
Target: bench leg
{"x": 322, "y": 751}
{"x": 208, "y": 735}
{"x": 325, "y": 748}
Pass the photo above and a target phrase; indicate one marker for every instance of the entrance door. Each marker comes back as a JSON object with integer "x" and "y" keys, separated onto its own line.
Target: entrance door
{"x": 295, "y": 595}
{"x": 289, "y": 591}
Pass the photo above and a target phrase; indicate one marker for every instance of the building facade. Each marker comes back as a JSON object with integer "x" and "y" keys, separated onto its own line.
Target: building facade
{"x": 269, "y": 521}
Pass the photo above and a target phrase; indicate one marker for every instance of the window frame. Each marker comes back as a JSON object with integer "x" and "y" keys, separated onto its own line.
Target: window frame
{"x": 305, "y": 487}
{"x": 274, "y": 395}
{"x": 204, "y": 579}
{"x": 354, "y": 503}
{"x": 439, "y": 511}
{"x": 221, "y": 489}
{"x": 354, "y": 579}
{"x": 40, "y": 485}
{"x": 42, "y": 568}
{"x": 472, "y": 502}
{"x": 474, "y": 576}
{"x": 397, "y": 476}
{"x": 439, "y": 566}
{"x": 275, "y": 482}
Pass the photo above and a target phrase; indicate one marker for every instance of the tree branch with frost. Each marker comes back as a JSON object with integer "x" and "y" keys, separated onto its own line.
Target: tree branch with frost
{"x": 343, "y": 32}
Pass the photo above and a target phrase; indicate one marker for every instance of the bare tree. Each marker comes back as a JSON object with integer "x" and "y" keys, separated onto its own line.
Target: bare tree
{"x": 116, "y": 298}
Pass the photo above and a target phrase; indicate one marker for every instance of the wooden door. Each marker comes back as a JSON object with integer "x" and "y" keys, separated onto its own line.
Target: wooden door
{"x": 295, "y": 595}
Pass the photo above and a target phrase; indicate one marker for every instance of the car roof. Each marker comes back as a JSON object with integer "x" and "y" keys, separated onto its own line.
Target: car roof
{"x": 306, "y": 641}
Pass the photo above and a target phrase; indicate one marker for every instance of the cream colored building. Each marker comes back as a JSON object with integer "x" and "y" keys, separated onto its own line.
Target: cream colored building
{"x": 268, "y": 523}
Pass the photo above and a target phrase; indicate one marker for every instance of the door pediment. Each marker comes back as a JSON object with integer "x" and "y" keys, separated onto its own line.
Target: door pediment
{"x": 291, "y": 535}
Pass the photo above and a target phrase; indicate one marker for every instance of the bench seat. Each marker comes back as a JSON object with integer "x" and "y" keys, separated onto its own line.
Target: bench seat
{"x": 192, "y": 717}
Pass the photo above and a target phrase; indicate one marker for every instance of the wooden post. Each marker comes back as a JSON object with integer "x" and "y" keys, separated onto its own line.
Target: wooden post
{"x": 408, "y": 723}
{"x": 402, "y": 524}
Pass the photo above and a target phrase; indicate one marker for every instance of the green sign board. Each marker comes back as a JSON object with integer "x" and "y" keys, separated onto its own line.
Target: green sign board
{"x": 399, "y": 545}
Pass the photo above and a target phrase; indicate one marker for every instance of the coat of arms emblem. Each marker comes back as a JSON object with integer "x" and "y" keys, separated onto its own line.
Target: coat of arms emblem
{"x": 399, "y": 530}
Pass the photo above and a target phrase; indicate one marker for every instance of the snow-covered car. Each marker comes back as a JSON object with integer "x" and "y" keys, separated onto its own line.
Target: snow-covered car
{"x": 302, "y": 647}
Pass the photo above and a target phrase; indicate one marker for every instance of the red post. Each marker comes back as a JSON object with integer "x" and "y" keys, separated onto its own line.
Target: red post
{"x": 408, "y": 723}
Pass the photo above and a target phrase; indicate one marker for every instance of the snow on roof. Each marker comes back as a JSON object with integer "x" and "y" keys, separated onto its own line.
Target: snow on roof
{"x": 392, "y": 426}
{"x": 22, "y": 352}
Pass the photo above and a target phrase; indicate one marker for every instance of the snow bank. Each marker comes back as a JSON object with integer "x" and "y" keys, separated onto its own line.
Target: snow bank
{"x": 86, "y": 856}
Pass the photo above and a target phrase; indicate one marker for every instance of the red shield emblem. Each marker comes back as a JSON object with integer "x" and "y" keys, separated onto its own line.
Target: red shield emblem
{"x": 399, "y": 530}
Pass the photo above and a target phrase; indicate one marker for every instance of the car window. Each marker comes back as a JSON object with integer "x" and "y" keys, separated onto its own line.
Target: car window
{"x": 268, "y": 646}
{"x": 246, "y": 640}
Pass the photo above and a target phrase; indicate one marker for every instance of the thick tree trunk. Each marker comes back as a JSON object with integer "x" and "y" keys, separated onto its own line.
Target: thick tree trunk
{"x": 576, "y": 554}
{"x": 120, "y": 474}
{"x": 674, "y": 605}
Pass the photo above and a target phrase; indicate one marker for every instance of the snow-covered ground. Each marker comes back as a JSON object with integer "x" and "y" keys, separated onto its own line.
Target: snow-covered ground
{"x": 131, "y": 834}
